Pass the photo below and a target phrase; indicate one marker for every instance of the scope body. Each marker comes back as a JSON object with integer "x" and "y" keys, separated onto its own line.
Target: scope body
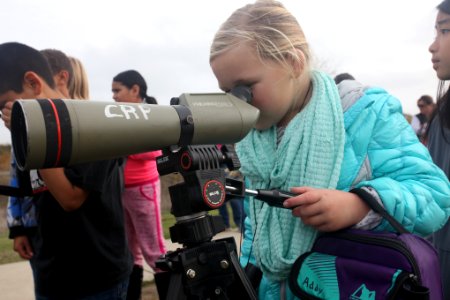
{"x": 49, "y": 133}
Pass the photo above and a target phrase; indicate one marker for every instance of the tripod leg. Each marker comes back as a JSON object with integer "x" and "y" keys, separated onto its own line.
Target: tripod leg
{"x": 243, "y": 278}
{"x": 135, "y": 283}
{"x": 176, "y": 290}
{"x": 170, "y": 286}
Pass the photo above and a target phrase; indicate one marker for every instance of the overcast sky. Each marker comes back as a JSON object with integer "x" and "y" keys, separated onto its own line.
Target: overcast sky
{"x": 383, "y": 43}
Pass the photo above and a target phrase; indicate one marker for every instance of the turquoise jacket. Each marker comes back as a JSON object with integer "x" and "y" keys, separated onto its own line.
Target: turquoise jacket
{"x": 381, "y": 152}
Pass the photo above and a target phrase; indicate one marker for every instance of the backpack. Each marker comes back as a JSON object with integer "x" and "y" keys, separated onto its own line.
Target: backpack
{"x": 367, "y": 265}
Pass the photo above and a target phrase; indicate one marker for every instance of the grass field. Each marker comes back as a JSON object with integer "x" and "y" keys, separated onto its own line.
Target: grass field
{"x": 7, "y": 255}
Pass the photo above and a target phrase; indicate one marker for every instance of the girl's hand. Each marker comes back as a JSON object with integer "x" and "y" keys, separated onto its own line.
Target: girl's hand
{"x": 327, "y": 210}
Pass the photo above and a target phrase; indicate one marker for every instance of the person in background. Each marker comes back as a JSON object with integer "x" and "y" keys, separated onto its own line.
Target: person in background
{"x": 142, "y": 195}
{"x": 438, "y": 134}
{"x": 325, "y": 148}
{"x": 79, "y": 85}
{"x": 131, "y": 85}
{"x": 80, "y": 248}
{"x": 419, "y": 122}
{"x": 61, "y": 69}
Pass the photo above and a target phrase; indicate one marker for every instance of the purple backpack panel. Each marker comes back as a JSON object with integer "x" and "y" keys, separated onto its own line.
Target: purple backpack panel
{"x": 359, "y": 265}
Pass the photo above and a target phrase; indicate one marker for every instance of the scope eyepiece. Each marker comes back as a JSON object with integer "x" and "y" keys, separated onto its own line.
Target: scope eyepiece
{"x": 19, "y": 141}
{"x": 242, "y": 92}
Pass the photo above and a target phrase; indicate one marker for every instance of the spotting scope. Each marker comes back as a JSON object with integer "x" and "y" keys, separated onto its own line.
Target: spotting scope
{"x": 48, "y": 133}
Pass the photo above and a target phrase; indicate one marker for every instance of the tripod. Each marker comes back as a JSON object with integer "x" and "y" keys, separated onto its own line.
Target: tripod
{"x": 203, "y": 268}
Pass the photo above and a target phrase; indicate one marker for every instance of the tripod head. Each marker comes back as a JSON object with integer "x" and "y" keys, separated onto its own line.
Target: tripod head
{"x": 204, "y": 189}
{"x": 202, "y": 269}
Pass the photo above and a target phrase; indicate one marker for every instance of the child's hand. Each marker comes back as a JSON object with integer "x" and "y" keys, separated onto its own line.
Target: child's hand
{"x": 6, "y": 113}
{"x": 22, "y": 246}
{"x": 327, "y": 210}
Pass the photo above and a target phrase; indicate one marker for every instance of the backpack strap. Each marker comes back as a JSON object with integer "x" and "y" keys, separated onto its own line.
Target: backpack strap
{"x": 373, "y": 204}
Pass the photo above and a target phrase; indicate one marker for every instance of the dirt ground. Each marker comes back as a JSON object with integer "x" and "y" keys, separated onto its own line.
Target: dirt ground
{"x": 149, "y": 292}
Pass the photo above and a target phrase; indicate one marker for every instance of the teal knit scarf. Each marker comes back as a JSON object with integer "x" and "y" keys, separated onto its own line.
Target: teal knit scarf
{"x": 309, "y": 154}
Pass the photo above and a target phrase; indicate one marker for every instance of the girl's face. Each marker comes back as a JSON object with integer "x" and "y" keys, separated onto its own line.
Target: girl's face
{"x": 273, "y": 86}
{"x": 440, "y": 48}
{"x": 122, "y": 93}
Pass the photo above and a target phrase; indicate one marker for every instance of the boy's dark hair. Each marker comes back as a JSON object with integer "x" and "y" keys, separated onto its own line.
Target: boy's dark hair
{"x": 343, "y": 76}
{"x": 58, "y": 61}
{"x": 131, "y": 77}
{"x": 15, "y": 60}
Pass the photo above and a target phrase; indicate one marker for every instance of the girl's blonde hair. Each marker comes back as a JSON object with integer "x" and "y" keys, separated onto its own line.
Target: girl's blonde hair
{"x": 79, "y": 87}
{"x": 268, "y": 27}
